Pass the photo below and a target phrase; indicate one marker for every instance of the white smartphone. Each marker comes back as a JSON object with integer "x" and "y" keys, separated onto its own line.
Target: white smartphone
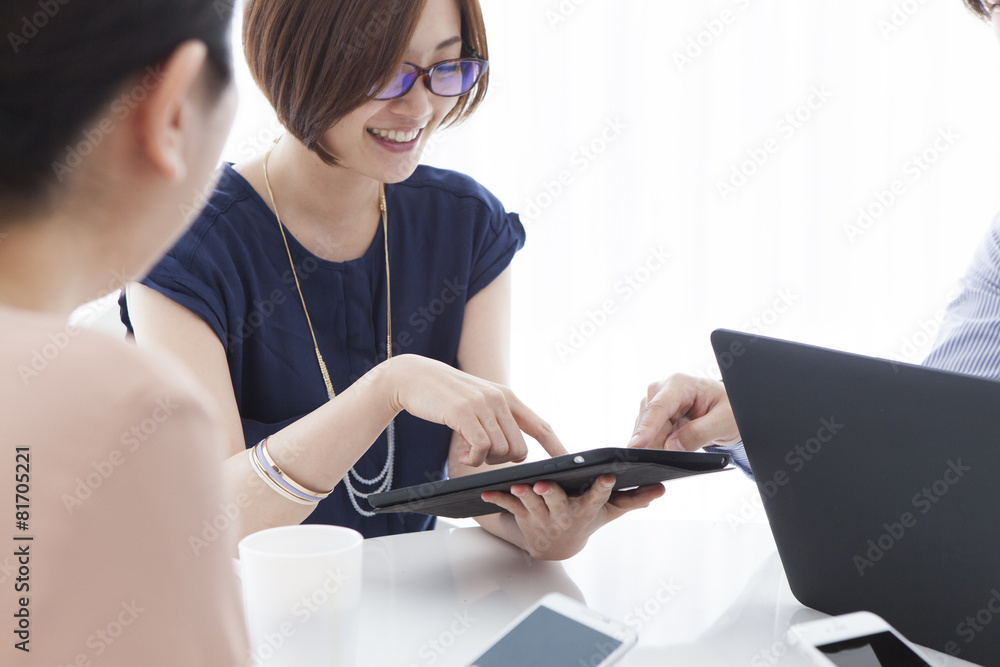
{"x": 559, "y": 632}
{"x": 861, "y": 639}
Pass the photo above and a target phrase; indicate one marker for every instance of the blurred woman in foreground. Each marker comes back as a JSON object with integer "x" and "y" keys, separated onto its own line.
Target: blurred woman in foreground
{"x": 112, "y": 117}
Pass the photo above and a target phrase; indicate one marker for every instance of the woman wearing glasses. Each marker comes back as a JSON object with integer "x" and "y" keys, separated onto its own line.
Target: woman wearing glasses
{"x": 332, "y": 288}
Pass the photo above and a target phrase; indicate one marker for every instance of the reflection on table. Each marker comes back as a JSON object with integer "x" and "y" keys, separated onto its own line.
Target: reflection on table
{"x": 699, "y": 593}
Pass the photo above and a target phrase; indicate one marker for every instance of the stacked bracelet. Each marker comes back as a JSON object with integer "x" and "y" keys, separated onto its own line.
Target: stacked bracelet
{"x": 277, "y": 479}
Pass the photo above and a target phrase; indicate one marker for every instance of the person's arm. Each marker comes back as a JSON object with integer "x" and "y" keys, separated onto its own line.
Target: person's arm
{"x": 969, "y": 339}
{"x": 542, "y": 519}
{"x": 318, "y": 449}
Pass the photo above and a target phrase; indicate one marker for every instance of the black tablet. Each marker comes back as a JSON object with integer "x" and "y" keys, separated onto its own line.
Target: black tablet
{"x": 458, "y": 498}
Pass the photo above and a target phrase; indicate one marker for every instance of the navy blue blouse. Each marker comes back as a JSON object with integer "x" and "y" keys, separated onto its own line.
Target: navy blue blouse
{"x": 448, "y": 239}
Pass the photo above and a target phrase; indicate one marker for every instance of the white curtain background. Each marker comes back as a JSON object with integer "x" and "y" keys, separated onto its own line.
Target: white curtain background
{"x": 612, "y": 127}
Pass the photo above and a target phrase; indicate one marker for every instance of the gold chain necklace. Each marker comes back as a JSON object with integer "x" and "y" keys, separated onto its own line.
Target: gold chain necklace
{"x": 385, "y": 477}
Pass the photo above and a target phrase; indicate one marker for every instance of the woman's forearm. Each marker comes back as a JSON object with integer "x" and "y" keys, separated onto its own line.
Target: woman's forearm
{"x": 316, "y": 451}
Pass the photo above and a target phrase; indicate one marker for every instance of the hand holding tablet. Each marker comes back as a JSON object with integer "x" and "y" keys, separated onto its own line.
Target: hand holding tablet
{"x": 575, "y": 473}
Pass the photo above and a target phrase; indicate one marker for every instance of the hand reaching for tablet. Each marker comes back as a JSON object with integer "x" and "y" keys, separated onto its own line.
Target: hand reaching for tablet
{"x": 488, "y": 417}
{"x": 684, "y": 413}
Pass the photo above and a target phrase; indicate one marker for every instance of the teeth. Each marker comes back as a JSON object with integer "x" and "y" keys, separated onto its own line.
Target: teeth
{"x": 398, "y": 137}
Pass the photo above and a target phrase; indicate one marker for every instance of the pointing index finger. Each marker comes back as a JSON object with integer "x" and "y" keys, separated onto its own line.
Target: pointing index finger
{"x": 535, "y": 426}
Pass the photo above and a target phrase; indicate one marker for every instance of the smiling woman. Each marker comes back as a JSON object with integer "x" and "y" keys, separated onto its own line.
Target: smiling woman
{"x": 343, "y": 386}
{"x": 319, "y": 62}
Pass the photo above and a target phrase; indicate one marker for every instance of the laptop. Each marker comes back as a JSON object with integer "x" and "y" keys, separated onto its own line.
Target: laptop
{"x": 881, "y": 483}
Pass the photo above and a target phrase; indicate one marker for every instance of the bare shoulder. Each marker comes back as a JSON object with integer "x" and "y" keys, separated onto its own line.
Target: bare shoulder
{"x": 119, "y": 474}
{"x": 99, "y": 385}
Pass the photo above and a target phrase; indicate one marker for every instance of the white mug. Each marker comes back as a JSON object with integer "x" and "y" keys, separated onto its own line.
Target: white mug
{"x": 302, "y": 595}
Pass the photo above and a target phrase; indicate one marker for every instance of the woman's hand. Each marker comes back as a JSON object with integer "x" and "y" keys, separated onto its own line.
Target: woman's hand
{"x": 488, "y": 416}
{"x": 550, "y": 525}
{"x": 684, "y": 413}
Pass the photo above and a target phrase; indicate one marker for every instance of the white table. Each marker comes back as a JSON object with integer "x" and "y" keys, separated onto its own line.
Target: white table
{"x": 701, "y": 593}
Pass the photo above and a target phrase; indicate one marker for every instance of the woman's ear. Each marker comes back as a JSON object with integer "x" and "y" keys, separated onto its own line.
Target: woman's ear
{"x": 163, "y": 118}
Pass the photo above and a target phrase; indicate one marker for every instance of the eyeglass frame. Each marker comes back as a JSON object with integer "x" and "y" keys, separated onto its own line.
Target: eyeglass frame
{"x": 425, "y": 73}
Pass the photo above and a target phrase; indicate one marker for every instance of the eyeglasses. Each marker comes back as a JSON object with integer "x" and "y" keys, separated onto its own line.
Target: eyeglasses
{"x": 448, "y": 78}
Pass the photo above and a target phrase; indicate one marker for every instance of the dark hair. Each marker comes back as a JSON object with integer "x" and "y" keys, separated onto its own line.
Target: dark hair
{"x": 64, "y": 62}
{"x": 319, "y": 60}
{"x": 977, "y": 8}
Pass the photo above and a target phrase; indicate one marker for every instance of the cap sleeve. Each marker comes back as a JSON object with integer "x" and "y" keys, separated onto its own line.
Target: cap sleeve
{"x": 198, "y": 278}
{"x": 495, "y": 249}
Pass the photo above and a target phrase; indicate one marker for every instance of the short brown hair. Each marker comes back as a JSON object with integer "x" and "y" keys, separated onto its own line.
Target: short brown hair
{"x": 319, "y": 60}
{"x": 978, "y": 8}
